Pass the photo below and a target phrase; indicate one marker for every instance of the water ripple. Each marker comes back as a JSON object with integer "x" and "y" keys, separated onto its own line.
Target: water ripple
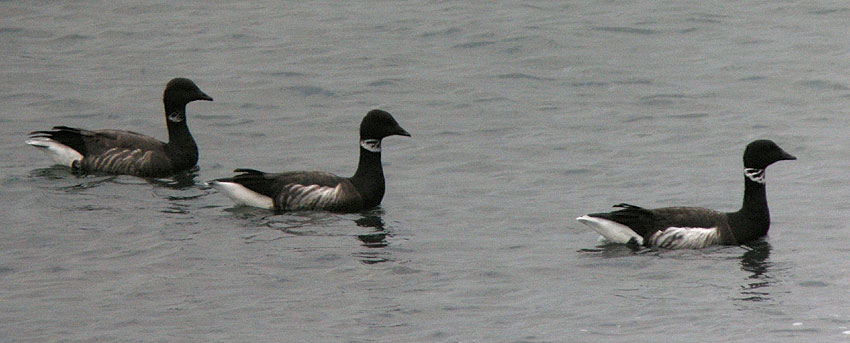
{"x": 624, "y": 29}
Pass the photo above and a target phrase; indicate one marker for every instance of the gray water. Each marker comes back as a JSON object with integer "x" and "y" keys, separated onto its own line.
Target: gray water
{"x": 524, "y": 116}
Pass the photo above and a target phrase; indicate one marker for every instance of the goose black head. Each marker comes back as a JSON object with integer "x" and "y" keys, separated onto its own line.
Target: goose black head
{"x": 379, "y": 124}
{"x": 762, "y": 153}
{"x": 179, "y": 92}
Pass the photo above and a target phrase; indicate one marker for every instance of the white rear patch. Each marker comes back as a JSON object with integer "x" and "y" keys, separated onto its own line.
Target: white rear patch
{"x": 58, "y": 152}
{"x": 611, "y": 230}
{"x": 242, "y": 195}
{"x": 685, "y": 237}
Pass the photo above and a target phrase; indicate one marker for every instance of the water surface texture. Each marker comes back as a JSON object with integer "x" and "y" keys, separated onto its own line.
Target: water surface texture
{"x": 523, "y": 116}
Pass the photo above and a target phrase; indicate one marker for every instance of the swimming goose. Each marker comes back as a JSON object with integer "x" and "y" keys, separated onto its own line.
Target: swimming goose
{"x": 696, "y": 227}
{"x": 302, "y": 190}
{"x": 127, "y": 152}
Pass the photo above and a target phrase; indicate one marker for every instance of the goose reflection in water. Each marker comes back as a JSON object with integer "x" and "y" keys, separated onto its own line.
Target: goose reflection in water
{"x": 182, "y": 180}
{"x": 374, "y": 241}
{"x": 756, "y": 262}
{"x": 179, "y": 181}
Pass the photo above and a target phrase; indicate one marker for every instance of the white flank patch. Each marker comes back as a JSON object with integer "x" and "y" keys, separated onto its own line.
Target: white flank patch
{"x": 242, "y": 195}
{"x": 613, "y": 231}
{"x": 685, "y": 237}
{"x": 312, "y": 196}
{"x": 58, "y": 152}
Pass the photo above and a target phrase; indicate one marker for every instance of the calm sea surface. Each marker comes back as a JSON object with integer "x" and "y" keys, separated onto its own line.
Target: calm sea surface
{"x": 524, "y": 116}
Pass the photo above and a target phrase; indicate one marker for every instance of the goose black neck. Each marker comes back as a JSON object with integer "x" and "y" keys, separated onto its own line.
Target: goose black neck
{"x": 181, "y": 144}
{"x": 754, "y": 214}
{"x": 178, "y": 131}
{"x": 369, "y": 177}
{"x": 755, "y": 198}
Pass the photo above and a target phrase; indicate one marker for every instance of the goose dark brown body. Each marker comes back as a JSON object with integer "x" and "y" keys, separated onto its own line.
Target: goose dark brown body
{"x": 696, "y": 227}
{"x": 127, "y": 152}
{"x": 303, "y": 190}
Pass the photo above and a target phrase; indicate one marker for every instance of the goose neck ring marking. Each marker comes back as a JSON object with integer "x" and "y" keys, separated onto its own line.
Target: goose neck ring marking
{"x": 176, "y": 116}
{"x": 373, "y": 145}
{"x": 755, "y": 174}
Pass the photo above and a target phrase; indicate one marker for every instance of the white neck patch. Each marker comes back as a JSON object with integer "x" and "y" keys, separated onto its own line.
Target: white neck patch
{"x": 176, "y": 116}
{"x": 373, "y": 145}
{"x": 755, "y": 175}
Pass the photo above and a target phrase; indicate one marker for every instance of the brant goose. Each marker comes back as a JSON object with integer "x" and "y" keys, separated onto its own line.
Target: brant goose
{"x": 127, "y": 152}
{"x": 300, "y": 190}
{"x": 696, "y": 227}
